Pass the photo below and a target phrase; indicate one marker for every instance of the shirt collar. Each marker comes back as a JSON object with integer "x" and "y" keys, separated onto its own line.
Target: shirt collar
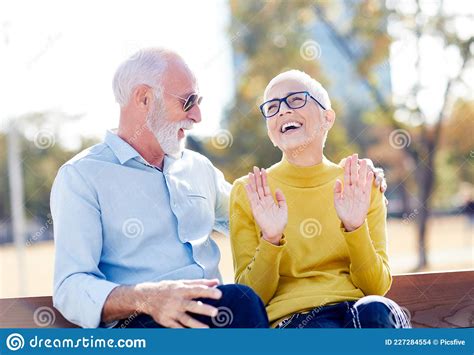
{"x": 122, "y": 150}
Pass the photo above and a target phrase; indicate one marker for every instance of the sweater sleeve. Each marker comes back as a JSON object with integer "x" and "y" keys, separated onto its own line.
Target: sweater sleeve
{"x": 367, "y": 246}
{"x": 256, "y": 261}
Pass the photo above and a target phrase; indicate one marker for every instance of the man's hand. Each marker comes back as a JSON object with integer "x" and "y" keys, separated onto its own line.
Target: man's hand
{"x": 352, "y": 199}
{"x": 271, "y": 217}
{"x": 167, "y": 302}
{"x": 379, "y": 174}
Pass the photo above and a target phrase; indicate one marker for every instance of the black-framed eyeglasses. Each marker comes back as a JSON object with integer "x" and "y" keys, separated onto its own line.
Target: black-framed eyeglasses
{"x": 293, "y": 100}
{"x": 190, "y": 101}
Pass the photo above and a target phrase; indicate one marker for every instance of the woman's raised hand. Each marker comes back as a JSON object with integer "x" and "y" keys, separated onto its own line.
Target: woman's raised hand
{"x": 352, "y": 199}
{"x": 270, "y": 216}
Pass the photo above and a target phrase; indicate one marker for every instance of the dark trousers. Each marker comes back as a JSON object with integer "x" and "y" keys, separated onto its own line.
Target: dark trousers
{"x": 239, "y": 307}
{"x": 368, "y": 312}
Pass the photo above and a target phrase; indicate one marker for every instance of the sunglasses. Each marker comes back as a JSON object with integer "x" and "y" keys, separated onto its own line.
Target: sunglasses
{"x": 189, "y": 102}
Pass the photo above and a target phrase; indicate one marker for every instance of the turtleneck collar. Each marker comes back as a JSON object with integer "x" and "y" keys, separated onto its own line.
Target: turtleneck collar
{"x": 305, "y": 176}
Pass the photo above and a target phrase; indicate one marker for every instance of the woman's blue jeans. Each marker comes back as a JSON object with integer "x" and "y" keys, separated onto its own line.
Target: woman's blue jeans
{"x": 368, "y": 312}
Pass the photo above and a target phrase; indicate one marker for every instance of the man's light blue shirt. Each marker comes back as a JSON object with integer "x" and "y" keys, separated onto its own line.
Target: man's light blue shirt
{"x": 120, "y": 221}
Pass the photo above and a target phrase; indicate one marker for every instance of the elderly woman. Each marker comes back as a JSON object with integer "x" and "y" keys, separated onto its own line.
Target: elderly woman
{"x": 315, "y": 251}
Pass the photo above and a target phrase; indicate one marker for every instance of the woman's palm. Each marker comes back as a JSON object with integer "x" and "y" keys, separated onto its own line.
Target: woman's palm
{"x": 270, "y": 215}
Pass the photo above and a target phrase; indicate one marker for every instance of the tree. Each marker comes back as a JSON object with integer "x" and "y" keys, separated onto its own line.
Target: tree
{"x": 417, "y": 139}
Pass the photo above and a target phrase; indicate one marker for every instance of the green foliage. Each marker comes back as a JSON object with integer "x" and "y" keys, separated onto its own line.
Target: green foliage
{"x": 458, "y": 142}
{"x": 40, "y": 164}
{"x": 4, "y": 197}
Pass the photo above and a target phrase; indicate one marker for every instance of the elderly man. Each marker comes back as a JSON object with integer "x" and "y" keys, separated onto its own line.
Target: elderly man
{"x": 133, "y": 215}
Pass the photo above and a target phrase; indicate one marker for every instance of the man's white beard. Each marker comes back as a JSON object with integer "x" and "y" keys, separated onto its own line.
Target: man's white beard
{"x": 166, "y": 132}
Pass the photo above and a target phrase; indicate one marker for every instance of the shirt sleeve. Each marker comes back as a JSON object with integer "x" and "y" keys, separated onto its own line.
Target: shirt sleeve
{"x": 256, "y": 261}
{"x": 221, "y": 211}
{"x": 80, "y": 288}
{"x": 369, "y": 269}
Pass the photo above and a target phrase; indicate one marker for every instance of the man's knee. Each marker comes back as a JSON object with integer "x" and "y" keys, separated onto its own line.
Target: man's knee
{"x": 247, "y": 307}
{"x": 239, "y": 292}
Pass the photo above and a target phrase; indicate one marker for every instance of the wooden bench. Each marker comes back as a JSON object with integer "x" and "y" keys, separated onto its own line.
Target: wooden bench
{"x": 20, "y": 313}
{"x": 437, "y": 299}
{"x": 433, "y": 300}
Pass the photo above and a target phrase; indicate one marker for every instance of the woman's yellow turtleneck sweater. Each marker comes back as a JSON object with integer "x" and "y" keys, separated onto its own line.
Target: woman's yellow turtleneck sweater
{"x": 317, "y": 262}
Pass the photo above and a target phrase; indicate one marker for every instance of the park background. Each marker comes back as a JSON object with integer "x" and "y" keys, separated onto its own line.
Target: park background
{"x": 399, "y": 73}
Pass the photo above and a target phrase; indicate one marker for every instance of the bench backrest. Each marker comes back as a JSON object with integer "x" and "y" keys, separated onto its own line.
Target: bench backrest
{"x": 433, "y": 300}
{"x": 31, "y": 312}
{"x": 438, "y": 299}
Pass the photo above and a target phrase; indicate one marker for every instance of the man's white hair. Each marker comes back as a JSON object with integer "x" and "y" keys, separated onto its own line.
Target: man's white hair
{"x": 147, "y": 66}
{"x": 314, "y": 87}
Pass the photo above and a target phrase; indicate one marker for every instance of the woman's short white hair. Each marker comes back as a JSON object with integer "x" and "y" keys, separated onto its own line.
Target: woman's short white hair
{"x": 144, "y": 67}
{"x": 314, "y": 87}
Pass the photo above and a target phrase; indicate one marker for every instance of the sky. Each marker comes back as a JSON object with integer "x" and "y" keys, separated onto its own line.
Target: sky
{"x": 62, "y": 55}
